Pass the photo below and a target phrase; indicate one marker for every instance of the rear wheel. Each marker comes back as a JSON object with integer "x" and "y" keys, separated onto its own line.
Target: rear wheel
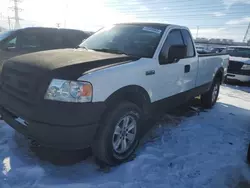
{"x": 209, "y": 98}
{"x": 118, "y": 136}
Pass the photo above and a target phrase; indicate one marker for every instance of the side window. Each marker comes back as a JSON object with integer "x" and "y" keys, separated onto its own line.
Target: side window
{"x": 11, "y": 43}
{"x": 29, "y": 40}
{"x": 173, "y": 38}
{"x": 23, "y": 41}
{"x": 189, "y": 43}
{"x": 52, "y": 40}
{"x": 58, "y": 42}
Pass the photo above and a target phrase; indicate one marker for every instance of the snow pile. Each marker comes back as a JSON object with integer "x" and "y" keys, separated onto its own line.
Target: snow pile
{"x": 206, "y": 150}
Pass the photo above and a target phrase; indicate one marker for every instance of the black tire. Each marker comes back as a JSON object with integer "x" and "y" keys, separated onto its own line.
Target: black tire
{"x": 248, "y": 154}
{"x": 103, "y": 148}
{"x": 207, "y": 99}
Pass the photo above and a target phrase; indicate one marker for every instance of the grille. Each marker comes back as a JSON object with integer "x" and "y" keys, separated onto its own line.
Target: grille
{"x": 234, "y": 66}
{"x": 18, "y": 83}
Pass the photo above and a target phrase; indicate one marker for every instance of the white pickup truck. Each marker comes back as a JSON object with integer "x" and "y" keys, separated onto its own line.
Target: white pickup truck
{"x": 100, "y": 94}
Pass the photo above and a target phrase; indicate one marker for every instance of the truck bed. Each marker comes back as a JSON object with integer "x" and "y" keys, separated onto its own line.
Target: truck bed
{"x": 207, "y": 65}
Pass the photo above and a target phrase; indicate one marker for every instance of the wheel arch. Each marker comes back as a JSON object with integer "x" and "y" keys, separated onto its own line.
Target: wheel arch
{"x": 132, "y": 93}
{"x": 220, "y": 74}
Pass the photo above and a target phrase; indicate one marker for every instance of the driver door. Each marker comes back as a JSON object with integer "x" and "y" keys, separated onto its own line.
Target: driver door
{"x": 171, "y": 74}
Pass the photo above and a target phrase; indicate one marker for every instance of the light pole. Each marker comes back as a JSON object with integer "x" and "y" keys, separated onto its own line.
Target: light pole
{"x": 197, "y": 32}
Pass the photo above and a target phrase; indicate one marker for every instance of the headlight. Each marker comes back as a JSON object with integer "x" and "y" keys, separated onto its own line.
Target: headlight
{"x": 69, "y": 91}
{"x": 245, "y": 67}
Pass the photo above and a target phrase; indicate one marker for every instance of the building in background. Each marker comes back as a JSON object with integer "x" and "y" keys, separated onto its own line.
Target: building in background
{"x": 201, "y": 40}
{"x": 209, "y": 44}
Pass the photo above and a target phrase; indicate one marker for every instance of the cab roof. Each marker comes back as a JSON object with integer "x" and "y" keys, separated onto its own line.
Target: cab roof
{"x": 46, "y": 28}
{"x": 143, "y": 23}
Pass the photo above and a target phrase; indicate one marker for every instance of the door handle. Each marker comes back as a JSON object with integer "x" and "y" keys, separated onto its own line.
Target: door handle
{"x": 187, "y": 68}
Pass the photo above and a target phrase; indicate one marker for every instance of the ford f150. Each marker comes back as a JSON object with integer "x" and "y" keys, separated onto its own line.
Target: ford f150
{"x": 100, "y": 94}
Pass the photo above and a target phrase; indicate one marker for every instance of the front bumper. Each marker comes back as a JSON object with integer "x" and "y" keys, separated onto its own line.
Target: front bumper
{"x": 59, "y": 125}
{"x": 53, "y": 136}
{"x": 238, "y": 77}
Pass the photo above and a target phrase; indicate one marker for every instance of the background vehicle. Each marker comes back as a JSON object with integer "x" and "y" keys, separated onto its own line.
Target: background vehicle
{"x": 202, "y": 50}
{"x": 217, "y": 49}
{"x": 239, "y": 63}
{"x": 33, "y": 39}
{"x": 100, "y": 95}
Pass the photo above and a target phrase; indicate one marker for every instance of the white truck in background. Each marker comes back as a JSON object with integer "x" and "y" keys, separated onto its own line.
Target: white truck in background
{"x": 100, "y": 94}
{"x": 239, "y": 63}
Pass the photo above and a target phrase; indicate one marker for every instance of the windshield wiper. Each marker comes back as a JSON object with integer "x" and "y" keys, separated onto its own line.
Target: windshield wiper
{"x": 115, "y": 51}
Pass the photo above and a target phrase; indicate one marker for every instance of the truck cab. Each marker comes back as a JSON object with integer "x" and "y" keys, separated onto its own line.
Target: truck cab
{"x": 101, "y": 94}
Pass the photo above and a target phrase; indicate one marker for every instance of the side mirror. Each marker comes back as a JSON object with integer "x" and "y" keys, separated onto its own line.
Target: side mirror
{"x": 176, "y": 52}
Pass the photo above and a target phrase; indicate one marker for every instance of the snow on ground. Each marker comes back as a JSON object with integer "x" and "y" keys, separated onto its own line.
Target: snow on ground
{"x": 202, "y": 151}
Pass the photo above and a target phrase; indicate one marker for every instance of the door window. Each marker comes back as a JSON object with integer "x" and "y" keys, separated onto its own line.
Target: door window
{"x": 189, "y": 43}
{"x": 30, "y": 41}
{"x": 11, "y": 43}
{"x": 23, "y": 41}
{"x": 52, "y": 40}
{"x": 56, "y": 42}
{"x": 173, "y": 38}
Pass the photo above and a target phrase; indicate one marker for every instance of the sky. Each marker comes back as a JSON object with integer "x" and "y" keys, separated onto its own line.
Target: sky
{"x": 214, "y": 18}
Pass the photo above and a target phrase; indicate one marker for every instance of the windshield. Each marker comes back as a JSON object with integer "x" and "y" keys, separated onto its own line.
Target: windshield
{"x": 4, "y": 35}
{"x": 239, "y": 52}
{"x": 131, "y": 39}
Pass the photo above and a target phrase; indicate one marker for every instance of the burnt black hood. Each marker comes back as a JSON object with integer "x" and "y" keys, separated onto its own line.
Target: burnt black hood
{"x": 27, "y": 77}
{"x": 65, "y": 63}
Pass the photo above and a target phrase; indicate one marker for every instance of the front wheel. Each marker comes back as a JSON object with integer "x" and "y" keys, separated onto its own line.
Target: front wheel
{"x": 118, "y": 136}
{"x": 209, "y": 98}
